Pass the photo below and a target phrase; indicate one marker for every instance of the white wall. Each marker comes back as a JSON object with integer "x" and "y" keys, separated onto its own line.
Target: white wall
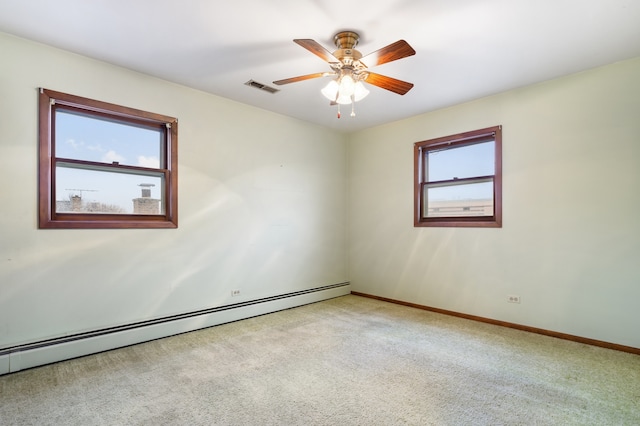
{"x": 261, "y": 207}
{"x": 570, "y": 242}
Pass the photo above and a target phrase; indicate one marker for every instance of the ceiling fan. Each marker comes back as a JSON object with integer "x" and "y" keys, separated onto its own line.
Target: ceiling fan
{"x": 352, "y": 69}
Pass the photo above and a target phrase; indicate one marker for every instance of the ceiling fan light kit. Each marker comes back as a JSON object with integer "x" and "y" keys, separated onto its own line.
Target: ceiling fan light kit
{"x": 350, "y": 69}
{"x": 345, "y": 90}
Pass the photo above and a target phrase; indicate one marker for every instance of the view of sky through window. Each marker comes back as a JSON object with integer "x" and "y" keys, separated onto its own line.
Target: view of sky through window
{"x": 461, "y": 162}
{"x": 458, "y": 163}
{"x": 80, "y": 137}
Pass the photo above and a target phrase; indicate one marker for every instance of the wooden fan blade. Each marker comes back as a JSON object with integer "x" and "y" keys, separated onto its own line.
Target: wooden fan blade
{"x": 398, "y": 50}
{"x": 317, "y": 49}
{"x": 300, "y": 78}
{"x": 398, "y": 86}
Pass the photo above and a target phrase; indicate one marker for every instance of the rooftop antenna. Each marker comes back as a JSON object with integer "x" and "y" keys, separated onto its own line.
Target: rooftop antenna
{"x": 80, "y": 190}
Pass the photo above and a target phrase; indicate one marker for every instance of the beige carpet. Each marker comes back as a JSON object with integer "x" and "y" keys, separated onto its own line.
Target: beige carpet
{"x": 346, "y": 361}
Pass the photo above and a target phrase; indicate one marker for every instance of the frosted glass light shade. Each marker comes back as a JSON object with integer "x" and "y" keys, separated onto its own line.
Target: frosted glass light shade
{"x": 359, "y": 91}
{"x": 330, "y": 91}
{"x": 343, "y": 99}
{"x": 345, "y": 90}
{"x": 347, "y": 85}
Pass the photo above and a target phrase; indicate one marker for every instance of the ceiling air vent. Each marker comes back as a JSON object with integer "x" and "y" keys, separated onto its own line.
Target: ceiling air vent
{"x": 262, "y": 86}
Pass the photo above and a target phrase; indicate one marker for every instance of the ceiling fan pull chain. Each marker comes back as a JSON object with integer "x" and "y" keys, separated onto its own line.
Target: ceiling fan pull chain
{"x": 353, "y": 106}
{"x": 338, "y": 110}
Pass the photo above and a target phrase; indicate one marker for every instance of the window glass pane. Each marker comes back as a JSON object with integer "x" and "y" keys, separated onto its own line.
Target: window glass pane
{"x": 81, "y": 190}
{"x": 473, "y": 199}
{"x": 91, "y": 138}
{"x": 461, "y": 162}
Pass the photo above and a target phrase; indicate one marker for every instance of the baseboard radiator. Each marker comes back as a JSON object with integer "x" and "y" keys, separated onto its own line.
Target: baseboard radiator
{"x": 48, "y": 351}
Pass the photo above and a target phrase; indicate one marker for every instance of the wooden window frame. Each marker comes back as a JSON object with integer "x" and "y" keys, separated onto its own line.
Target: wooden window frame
{"x": 463, "y": 139}
{"x": 48, "y": 218}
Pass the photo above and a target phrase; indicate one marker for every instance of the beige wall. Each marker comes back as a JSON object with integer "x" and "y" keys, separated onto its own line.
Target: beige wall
{"x": 570, "y": 243}
{"x": 261, "y": 207}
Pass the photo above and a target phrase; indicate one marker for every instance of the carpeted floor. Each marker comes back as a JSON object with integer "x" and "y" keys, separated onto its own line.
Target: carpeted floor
{"x": 345, "y": 361}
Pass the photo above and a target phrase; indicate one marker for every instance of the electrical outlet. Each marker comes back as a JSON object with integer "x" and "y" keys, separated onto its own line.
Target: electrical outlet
{"x": 512, "y": 298}
{"x": 235, "y": 292}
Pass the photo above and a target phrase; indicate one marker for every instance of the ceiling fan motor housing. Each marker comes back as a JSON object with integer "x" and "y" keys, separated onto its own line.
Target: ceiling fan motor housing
{"x": 345, "y": 41}
{"x": 347, "y": 56}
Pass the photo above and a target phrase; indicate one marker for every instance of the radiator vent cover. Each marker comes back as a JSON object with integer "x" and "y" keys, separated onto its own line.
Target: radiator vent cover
{"x": 261, "y": 86}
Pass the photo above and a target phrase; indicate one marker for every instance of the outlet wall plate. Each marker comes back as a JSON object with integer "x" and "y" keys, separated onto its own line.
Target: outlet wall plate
{"x": 512, "y": 298}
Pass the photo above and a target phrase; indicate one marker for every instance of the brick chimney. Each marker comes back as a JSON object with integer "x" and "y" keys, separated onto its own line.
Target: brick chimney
{"x": 145, "y": 204}
{"x": 76, "y": 203}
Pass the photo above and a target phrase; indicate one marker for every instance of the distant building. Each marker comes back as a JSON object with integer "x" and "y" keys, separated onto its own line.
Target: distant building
{"x": 72, "y": 205}
{"x": 460, "y": 208}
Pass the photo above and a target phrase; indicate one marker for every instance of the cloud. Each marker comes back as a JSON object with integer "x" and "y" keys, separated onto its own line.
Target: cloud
{"x": 112, "y": 156}
{"x": 74, "y": 144}
{"x": 151, "y": 162}
{"x": 96, "y": 147}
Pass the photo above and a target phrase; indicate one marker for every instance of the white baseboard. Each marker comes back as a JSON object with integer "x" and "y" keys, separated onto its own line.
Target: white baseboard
{"x": 41, "y": 353}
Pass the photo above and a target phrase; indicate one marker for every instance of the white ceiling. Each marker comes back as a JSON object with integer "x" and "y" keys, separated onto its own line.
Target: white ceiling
{"x": 466, "y": 49}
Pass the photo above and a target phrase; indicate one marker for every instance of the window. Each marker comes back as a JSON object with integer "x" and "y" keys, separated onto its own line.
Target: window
{"x": 458, "y": 180}
{"x": 105, "y": 166}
